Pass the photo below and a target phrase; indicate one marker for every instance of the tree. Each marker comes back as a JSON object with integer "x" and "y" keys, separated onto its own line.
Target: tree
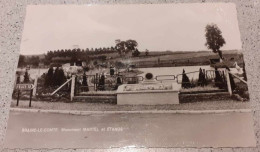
{"x": 131, "y": 45}
{"x": 34, "y": 60}
{"x": 112, "y": 71}
{"x": 146, "y": 52}
{"x": 102, "y": 58}
{"x": 26, "y": 77}
{"x": 185, "y": 81}
{"x": 136, "y": 53}
{"x": 101, "y": 83}
{"x": 219, "y": 81}
{"x": 58, "y": 77}
{"x": 202, "y": 78}
{"x": 112, "y": 49}
{"x": 85, "y": 82}
{"x": 118, "y": 83}
{"x": 214, "y": 39}
{"x": 18, "y": 79}
{"x": 73, "y": 57}
{"x": 61, "y": 76}
{"x": 120, "y": 46}
{"x": 55, "y": 78}
{"x": 49, "y": 77}
{"x": 21, "y": 61}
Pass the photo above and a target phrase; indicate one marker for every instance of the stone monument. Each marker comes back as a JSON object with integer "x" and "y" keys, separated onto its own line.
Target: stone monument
{"x": 149, "y": 92}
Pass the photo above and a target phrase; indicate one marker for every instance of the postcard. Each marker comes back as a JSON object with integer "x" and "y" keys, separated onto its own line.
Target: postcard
{"x": 131, "y": 76}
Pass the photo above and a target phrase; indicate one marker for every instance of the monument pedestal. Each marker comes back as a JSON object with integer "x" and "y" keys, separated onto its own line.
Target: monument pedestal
{"x": 147, "y": 94}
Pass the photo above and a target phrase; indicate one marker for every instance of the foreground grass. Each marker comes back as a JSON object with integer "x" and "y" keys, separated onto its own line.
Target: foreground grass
{"x": 80, "y": 106}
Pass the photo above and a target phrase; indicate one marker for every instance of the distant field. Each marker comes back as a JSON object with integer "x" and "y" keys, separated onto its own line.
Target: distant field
{"x": 157, "y": 59}
{"x": 176, "y": 58}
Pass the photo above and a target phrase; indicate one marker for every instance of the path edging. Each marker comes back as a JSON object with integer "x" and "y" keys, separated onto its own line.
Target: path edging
{"x": 74, "y": 112}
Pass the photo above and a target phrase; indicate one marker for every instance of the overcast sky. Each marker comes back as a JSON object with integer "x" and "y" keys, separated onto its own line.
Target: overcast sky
{"x": 176, "y": 27}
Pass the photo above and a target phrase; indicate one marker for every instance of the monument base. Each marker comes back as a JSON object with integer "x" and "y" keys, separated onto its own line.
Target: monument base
{"x": 146, "y": 97}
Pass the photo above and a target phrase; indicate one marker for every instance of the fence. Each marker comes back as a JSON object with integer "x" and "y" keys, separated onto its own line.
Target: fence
{"x": 92, "y": 83}
{"x": 213, "y": 78}
{"x": 169, "y": 63}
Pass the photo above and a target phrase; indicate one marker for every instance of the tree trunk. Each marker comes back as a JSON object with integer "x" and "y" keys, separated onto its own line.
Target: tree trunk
{"x": 220, "y": 55}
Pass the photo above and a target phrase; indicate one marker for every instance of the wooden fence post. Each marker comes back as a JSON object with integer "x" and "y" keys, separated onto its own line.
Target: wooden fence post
{"x": 31, "y": 94}
{"x": 97, "y": 79}
{"x": 35, "y": 86}
{"x": 72, "y": 87}
{"x": 228, "y": 82}
{"x": 18, "y": 98}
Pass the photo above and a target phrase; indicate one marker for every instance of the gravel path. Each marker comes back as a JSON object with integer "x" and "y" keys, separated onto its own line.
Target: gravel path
{"x": 211, "y": 105}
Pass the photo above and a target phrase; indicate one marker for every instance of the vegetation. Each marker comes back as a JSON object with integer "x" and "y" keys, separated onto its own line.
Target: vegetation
{"x": 54, "y": 78}
{"x": 204, "y": 81}
{"x": 26, "y": 77}
{"x": 49, "y": 77}
{"x": 136, "y": 53}
{"x": 125, "y": 46}
{"x": 30, "y": 60}
{"x": 85, "y": 83}
{"x": 146, "y": 52}
{"x": 185, "y": 81}
{"x": 202, "y": 78}
{"x": 242, "y": 90}
{"x": 219, "y": 80}
{"x": 214, "y": 39}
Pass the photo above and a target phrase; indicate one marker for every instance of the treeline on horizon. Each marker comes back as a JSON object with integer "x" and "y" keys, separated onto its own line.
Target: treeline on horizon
{"x": 82, "y": 54}
{"x": 72, "y": 55}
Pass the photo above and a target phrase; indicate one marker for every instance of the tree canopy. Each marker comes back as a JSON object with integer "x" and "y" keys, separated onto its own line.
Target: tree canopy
{"x": 214, "y": 39}
{"x": 126, "y": 46}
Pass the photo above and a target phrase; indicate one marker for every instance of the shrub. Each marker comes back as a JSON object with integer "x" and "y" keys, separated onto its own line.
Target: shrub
{"x": 242, "y": 90}
{"x": 85, "y": 83}
{"x": 48, "y": 78}
{"x": 26, "y": 77}
{"x": 112, "y": 71}
{"x": 202, "y": 79}
{"x": 185, "y": 80}
{"x": 219, "y": 81}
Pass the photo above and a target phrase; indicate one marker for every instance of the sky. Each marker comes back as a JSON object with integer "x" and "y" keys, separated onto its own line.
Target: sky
{"x": 156, "y": 27}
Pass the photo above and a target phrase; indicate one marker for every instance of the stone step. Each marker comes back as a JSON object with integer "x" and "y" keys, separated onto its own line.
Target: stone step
{"x": 183, "y": 98}
{"x": 96, "y": 99}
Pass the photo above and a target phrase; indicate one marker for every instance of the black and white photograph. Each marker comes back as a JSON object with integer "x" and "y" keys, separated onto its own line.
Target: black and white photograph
{"x": 132, "y": 76}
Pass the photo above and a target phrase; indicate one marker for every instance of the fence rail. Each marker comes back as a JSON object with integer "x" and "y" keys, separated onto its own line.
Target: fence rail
{"x": 165, "y": 77}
